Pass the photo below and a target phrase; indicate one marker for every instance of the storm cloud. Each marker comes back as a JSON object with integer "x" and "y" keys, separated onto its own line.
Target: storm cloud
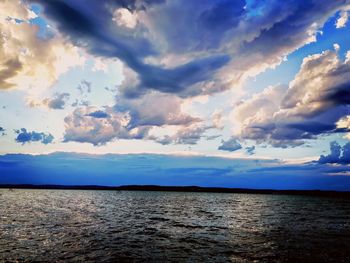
{"x": 212, "y": 45}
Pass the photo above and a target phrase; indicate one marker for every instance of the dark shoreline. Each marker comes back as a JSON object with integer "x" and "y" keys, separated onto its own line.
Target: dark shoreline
{"x": 180, "y": 189}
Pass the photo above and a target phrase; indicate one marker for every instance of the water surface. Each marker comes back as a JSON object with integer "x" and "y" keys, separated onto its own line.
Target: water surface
{"x": 126, "y": 226}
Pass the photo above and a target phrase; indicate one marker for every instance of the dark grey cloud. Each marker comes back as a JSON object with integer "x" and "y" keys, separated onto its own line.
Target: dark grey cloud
{"x": 175, "y": 80}
{"x": 91, "y": 28}
{"x": 98, "y": 114}
{"x": 24, "y": 136}
{"x": 222, "y": 16}
{"x": 216, "y": 44}
{"x": 250, "y": 150}
{"x": 274, "y": 27}
{"x": 58, "y": 102}
{"x": 230, "y": 145}
{"x": 338, "y": 154}
{"x": 285, "y": 33}
{"x": 345, "y": 158}
{"x": 2, "y": 131}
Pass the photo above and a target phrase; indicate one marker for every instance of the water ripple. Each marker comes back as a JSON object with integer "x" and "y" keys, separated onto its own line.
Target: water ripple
{"x": 122, "y": 226}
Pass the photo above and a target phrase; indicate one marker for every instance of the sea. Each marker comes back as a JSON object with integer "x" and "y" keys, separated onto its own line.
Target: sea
{"x": 141, "y": 226}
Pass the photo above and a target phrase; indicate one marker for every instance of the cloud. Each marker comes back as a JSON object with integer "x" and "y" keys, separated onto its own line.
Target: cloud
{"x": 133, "y": 119}
{"x": 84, "y": 87}
{"x": 58, "y": 102}
{"x": 94, "y": 30}
{"x": 10, "y": 69}
{"x": 212, "y": 137}
{"x": 337, "y": 155}
{"x": 345, "y": 158}
{"x": 160, "y": 110}
{"x": 315, "y": 103}
{"x": 77, "y": 103}
{"x": 98, "y": 114}
{"x": 334, "y": 155}
{"x": 185, "y": 135}
{"x": 190, "y": 135}
{"x": 80, "y": 126}
{"x": 123, "y": 17}
{"x": 244, "y": 43}
{"x": 230, "y": 145}
{"x": 28, "y": 61}
{"x": 250, "y": 150}
{"x": 155, "y": 109}
{"x": 212, "y": 47}
{"x": 217, "y": 118}
{"x": 177, "y": 80}
{"x": 23, "y": 137}
{"x": 342, "y": 20}
{"x": 2, "y": 131}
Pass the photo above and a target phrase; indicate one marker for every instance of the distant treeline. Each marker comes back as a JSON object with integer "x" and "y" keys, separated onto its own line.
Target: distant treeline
{"x": 180, "y": 189}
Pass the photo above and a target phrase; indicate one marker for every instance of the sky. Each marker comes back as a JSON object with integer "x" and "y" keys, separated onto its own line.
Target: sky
{"x": 243, "y": 82}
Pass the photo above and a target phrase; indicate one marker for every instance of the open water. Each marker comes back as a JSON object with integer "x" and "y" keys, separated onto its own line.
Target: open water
{"x": 127, "y": 226}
